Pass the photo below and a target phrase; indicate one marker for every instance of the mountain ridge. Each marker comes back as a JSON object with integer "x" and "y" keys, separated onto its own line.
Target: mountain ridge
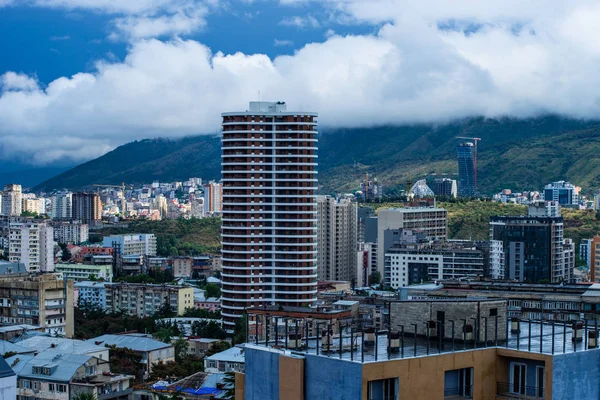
{"x": 548, "y": 148}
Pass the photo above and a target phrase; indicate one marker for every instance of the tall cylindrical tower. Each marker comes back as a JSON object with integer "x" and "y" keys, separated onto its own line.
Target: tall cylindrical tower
{"x": 269, "y": 169}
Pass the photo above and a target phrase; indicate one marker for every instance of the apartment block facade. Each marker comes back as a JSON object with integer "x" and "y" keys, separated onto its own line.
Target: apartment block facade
{"x": 40, "y": 300}
{"x": 12, "y": 200}
{"x": 269, "y": 238}
{"x": 337, "y": 223}
{"x": 71, "y": 232}
{"x": 86, "y": 207}
{"x": 134, "y": 244}
{"x": 145, "y": 300}
{"x": 32, "y": 244}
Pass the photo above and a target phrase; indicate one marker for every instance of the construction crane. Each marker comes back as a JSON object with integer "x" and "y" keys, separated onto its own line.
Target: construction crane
{"x": 123, "y": 202}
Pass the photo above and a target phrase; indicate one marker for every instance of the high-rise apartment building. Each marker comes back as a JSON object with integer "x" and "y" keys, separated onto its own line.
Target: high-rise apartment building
{"x": 431, "y": 221}
{"x": 12, "y": 200}
{"x": 32, "y": 244}
{"x": 466, "y": 154}
{"x": 269, "y": 246}
{"x": 87, "y": 207}
{"x": 213, "y": 198}
{"x": 62, "y": 206}
{"x": 337, "y": 238}
{"x": 32, "y": 204}
{"x": 529, "y": 249}
{"x": 70, "y": 232}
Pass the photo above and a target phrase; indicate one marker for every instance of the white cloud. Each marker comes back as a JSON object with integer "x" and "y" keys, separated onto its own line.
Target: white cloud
{"x": 283, "y": 42}
{"x": 13, "y": 81}
{"x": 508, "y": 64}
{"x": 60, "y": 38}
{"x": 180, "y": 23}
{"x": 301, "y": 22}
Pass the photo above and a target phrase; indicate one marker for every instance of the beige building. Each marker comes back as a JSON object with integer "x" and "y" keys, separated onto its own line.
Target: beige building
{"x": 145, "y": 300}
{"x": 431, "y": 221}
{"x": 182, "y": 267}
{"x": 11, "y": 200}
{"x": 337, "y": 238}
{"x": 40, "y": 300}
{"x": 32, "y": 244}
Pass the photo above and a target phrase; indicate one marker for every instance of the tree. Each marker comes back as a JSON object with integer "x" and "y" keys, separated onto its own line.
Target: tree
{"x": 84, "y": 396}
{"x": 126, "y": 361}
{"x": 212, "y": 290}
{"x": 217, "y": 347}
{"x": 164, "y": 334}
{"x": 181, "y": 349}
{"x": 375, "y": 278}
{"x": 229, "y": 381}
{"x": 240, "y": 330}
{"x": 65, "y": 253}
{"x": 165, "y": 310}
{"x": 29, "y": 214}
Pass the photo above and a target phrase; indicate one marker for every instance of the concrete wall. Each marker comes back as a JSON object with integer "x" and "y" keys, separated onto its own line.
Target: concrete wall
{"x": 417, "y": 312}
{"x": 332, "y": 379}
{"x": 576, "y": 375}
{"x": 262, "y": 374}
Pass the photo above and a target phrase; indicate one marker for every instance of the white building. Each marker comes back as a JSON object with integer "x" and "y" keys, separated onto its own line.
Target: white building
{"x": 83, "y": 272}
{"x": 230, "y": 360}
{"x": 135, "y": 244}
{"x": 197, "y": 208}
{"x": 8, "y": 381}
{"x": 12, "y": 200}
{"x": 71, "y": 232}
{"x": 32, "y": 244}
{"x": 337, "y": 230}
{"x": 62, "y": 205}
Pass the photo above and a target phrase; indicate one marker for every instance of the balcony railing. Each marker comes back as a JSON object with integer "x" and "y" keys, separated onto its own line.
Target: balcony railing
{"x": 463, "y": 392}
{"x": 516, "y": 391}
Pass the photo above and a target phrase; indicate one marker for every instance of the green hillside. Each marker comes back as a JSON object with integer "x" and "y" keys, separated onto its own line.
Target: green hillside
{"x": 515, "y": 154}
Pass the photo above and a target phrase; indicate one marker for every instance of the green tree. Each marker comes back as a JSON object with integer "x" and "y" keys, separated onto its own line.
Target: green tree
{"x": 229, "y": 381}
{"x": 375, "y": 278}
{"x": 240, "y": 330}
{"x": 29, "y": 214}
{"x": 165, "y": 310}
{"x": 212, "y": 290}
{"x": 65, "y": 253}
{"x": 217, "y": 347}
{"x": 181, "y": 349}
{"x": 84, "y": 396}
{"x": 126, "y": 361}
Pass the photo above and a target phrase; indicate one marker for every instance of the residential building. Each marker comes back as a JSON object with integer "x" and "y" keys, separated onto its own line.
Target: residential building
{"x": 585, "y": 253}
{"x": 337, "y": 223}
{"x": 528, "y": 249}
{"x": 182, "y": 267}
{"x": 8, "y": 381}
{"x": 431, "y": 221}
{"x": 145, "y": 300}
{"x": 466, "y": 154}
{"x": 84, "y": 272}
{"x": 11, "y": 200}
{"x": 40, "y": 344}
{"x": 562, "y": 192}
{"x": 432, "y": 350}
{"x": 213, "y": 198}
{"x": 412, "y": 264}
{"x": 40, "y": 300}
{"x": 62, "y": 205}
{"x": 211, "y": 304}
{"x": 10, "y": 332}
{"x": 33, "y": 205}
{"x": 152, "y": 351}
{"x": 197, "y": 208}
{"x": 199, "y": 346}
{"x": 230, "y": 360}
{"x": 86, "y": 207}
{"x": 32, "y": 244}
{"x": 73, "y": 232}
{"x": 269, "y": 239}
{"x": 134, "y": 244}
{"x": 52, "y": 375}
{"x": 92, "y": 293}
{"x": 445, "y": 187}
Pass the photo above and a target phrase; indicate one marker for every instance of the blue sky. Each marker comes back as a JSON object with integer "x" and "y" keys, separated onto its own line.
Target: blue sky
{"x": 50, "y": 43}
{"x": 81, "y": 77}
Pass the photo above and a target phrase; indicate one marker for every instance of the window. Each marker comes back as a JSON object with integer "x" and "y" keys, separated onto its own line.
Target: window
{"x": 51, "y": 387}
{"x": 62, "y": 388}
{"x": 517, "y": 376}
{"x": 26, "y": 384}
{"x": 539, "y": 381}
{"x": 383, "y": 389}
{"x": 493, "y": 312}
{"x": 458, "y": 383}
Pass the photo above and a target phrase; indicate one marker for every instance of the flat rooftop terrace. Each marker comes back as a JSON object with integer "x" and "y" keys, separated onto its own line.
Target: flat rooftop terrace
{"x": 356, "y": 346}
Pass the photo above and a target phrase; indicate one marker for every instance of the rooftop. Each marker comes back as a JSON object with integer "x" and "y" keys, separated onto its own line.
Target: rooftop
{"x": 8, "y": 347}
{"x": 20, "y": 327}
{"x": 132, "y": 342}
{"x": 234, "y": 354}
{"x": 61, "y": 345}
{"x": 5, "y": 369}
{"x": 62, "y": 366}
